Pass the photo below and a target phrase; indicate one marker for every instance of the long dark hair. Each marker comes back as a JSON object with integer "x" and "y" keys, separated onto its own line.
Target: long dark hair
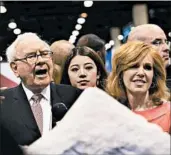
{"x": 85, "y": 51}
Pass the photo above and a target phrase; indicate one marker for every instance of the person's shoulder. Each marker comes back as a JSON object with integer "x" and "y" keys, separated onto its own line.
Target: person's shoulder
{"x": 66, "y": 88}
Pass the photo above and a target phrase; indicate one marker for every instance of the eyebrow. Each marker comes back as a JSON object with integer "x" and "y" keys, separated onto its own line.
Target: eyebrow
{"x": 158, "y": 39}
{"x": 76, "y": 65}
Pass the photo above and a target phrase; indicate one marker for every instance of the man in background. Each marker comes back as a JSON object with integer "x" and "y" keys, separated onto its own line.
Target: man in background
{"x": 60, "y": 50}
{"x": 95, "y": 43}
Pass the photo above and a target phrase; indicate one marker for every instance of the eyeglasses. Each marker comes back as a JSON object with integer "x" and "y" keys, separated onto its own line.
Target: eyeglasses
{"x": 159, "y": 42}
{"x": 32, "y": 58}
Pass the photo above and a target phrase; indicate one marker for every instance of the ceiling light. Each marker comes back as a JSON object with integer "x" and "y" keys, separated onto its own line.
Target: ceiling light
{"x": 88, "y": 3}
{"x": 111, "y": 42}
{"x": 84, "y": 15}
{"x": 169, "y": 34}
{"x": 73, "y": 37}
{"x": 12, "y": 25}
{"x": 75, "y": 33}
{"x": 78, "y": 27}
{"x": 107, "y": 46}
{"x": 3, "y": 9}
{"x": 1, "y": 58}
{"x": 80, "y": 20}
{"x": 120, "y": 37}
{"x": 17, "y": 31}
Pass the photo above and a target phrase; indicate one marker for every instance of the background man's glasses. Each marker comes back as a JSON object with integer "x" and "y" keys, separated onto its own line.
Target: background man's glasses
{"x": 32, "y": 58}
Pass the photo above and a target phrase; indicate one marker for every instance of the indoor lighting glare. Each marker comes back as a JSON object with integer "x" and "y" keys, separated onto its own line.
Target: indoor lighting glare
{"x": 84, "y": 15}
{"x": 107, "y": 46}
{"x": 3, "y": 9}
{"x": 17, "y": 31}
{"x": 80, "y": 20}
{"x": 120, "y": 37}
{"x": 72, "y": 41}
{"x": 78, "y": 27}
{"x": 169, "y": 34}
{"x": 111, "y": 42}
{"x": 75, "y": 33}
{"x": 73, "y": 37}
{"x": 88, "y": 3}
{"x": 12, "y": 25}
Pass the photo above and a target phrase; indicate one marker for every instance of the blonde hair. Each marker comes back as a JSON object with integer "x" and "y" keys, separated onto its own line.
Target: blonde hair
{"x": 128, "y": 55}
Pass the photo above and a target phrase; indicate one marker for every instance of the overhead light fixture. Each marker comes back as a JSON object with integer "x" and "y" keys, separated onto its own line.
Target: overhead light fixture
{"x": 84, "y": 15}
{"x": 75, "y": 33}
{"x": 17, "y": 31}
{"x": 120, "y": 37}
{"x": 78, "y": 27}
{"x": 80, "y": 20}
{"x": 111, "y": 42}
{"x": 12, "y": 25}
{"x": 3, "y": 9}
{"x": 88, "y": 4}
{"x": 169, "y": 34}
{"x": 72, "y": 37}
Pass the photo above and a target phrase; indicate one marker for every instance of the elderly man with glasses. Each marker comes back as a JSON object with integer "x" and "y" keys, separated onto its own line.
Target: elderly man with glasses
{"x": 154, "y": 35}
{"x": 31, "y": 109}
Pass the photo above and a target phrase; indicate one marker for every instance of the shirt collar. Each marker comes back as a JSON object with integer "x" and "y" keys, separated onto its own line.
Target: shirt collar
{"x": 45, "y": 92}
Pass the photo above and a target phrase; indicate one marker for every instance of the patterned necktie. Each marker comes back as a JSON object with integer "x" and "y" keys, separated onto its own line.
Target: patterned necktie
{"x": 37, "y": 110}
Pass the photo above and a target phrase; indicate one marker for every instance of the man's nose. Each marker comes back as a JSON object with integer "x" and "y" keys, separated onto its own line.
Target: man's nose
{"x": 166, "y": 47}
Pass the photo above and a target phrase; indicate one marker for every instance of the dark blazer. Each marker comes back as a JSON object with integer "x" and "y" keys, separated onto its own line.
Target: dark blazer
{"x": 8, "y": 144}
{"x": 17, "y": 116}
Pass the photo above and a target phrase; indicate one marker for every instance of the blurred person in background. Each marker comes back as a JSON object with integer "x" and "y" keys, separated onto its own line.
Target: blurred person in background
{"x": 30, "y": 59}
{"x": 84, "y": 68}
{"x": 138, "y": 81}
{"x": 95, "y": 43}
{"x": 60, "y": 50}
{"x": 155, "y": 36}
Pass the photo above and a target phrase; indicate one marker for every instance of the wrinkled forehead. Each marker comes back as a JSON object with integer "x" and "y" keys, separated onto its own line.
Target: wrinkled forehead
{"x": 31, "y": 44}
{"x": 151, "y": 34}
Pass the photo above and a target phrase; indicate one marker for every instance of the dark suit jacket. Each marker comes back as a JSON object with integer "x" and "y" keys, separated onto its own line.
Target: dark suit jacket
{"x": 8, "y": 145}
{"x": 17, "y": 116}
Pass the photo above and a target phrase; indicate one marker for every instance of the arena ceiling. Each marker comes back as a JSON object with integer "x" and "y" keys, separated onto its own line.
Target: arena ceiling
{"x": 55, "y": 20}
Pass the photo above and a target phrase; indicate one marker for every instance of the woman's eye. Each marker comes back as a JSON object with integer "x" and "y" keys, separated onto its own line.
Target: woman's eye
{"x": 74, "y": 69}
{"x": 89, "y": 67}
{"x": 135, "y": 66}
{"x": 148, "y": 67}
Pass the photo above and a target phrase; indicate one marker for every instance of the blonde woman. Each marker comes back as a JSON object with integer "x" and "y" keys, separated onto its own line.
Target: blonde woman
{"x": 138, "y": 80}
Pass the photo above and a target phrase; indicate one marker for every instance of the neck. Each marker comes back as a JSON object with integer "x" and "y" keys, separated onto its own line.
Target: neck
{"x": 139, "y": 101}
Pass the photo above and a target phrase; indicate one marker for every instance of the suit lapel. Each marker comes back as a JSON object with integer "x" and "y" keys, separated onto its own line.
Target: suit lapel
{"x": 55, "y": 98}
{"x": 24, "y": 109}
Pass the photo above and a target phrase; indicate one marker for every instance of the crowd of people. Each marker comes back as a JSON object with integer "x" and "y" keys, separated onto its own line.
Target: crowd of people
{"x": 53, "y": 77}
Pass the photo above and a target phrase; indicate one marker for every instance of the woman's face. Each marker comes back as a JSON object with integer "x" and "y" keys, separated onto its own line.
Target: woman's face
{"x": 138, "y": 78}
{"x": 82, "y": 72}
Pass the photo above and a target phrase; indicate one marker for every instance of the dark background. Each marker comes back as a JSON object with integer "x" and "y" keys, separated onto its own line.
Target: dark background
{"x": 55, "y": 20}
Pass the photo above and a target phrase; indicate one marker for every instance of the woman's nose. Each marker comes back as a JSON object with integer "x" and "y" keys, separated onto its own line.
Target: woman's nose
{"x": 82, "y": 73}
{"x": 140, "y": 71}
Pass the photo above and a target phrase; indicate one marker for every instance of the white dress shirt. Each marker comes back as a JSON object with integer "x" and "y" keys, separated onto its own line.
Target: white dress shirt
{"x": 46, "y": 107}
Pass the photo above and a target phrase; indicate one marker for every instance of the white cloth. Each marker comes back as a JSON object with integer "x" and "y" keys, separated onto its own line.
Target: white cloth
{"x": 46, "y": 107}
{"x": 98, "y": 124}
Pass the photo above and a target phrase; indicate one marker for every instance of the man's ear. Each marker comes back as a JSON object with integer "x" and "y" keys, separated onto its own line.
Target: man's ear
{"x": 13, "y": 66}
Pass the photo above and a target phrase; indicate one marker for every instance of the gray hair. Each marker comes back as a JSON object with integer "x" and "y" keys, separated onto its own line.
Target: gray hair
{"x": 11, "y": 50}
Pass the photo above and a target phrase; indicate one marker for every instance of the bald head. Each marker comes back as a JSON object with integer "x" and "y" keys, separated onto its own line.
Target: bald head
{"x": 154, "y": 35}
{"x": 142, "y": 32}
{"x": 60, "y": 50}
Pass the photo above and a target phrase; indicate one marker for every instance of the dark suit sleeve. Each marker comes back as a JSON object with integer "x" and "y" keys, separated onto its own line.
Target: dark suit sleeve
{"x": 8, "y": 144}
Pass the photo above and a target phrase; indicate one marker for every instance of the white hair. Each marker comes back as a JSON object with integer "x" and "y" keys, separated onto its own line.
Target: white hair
{"x": 11, "y": 50}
